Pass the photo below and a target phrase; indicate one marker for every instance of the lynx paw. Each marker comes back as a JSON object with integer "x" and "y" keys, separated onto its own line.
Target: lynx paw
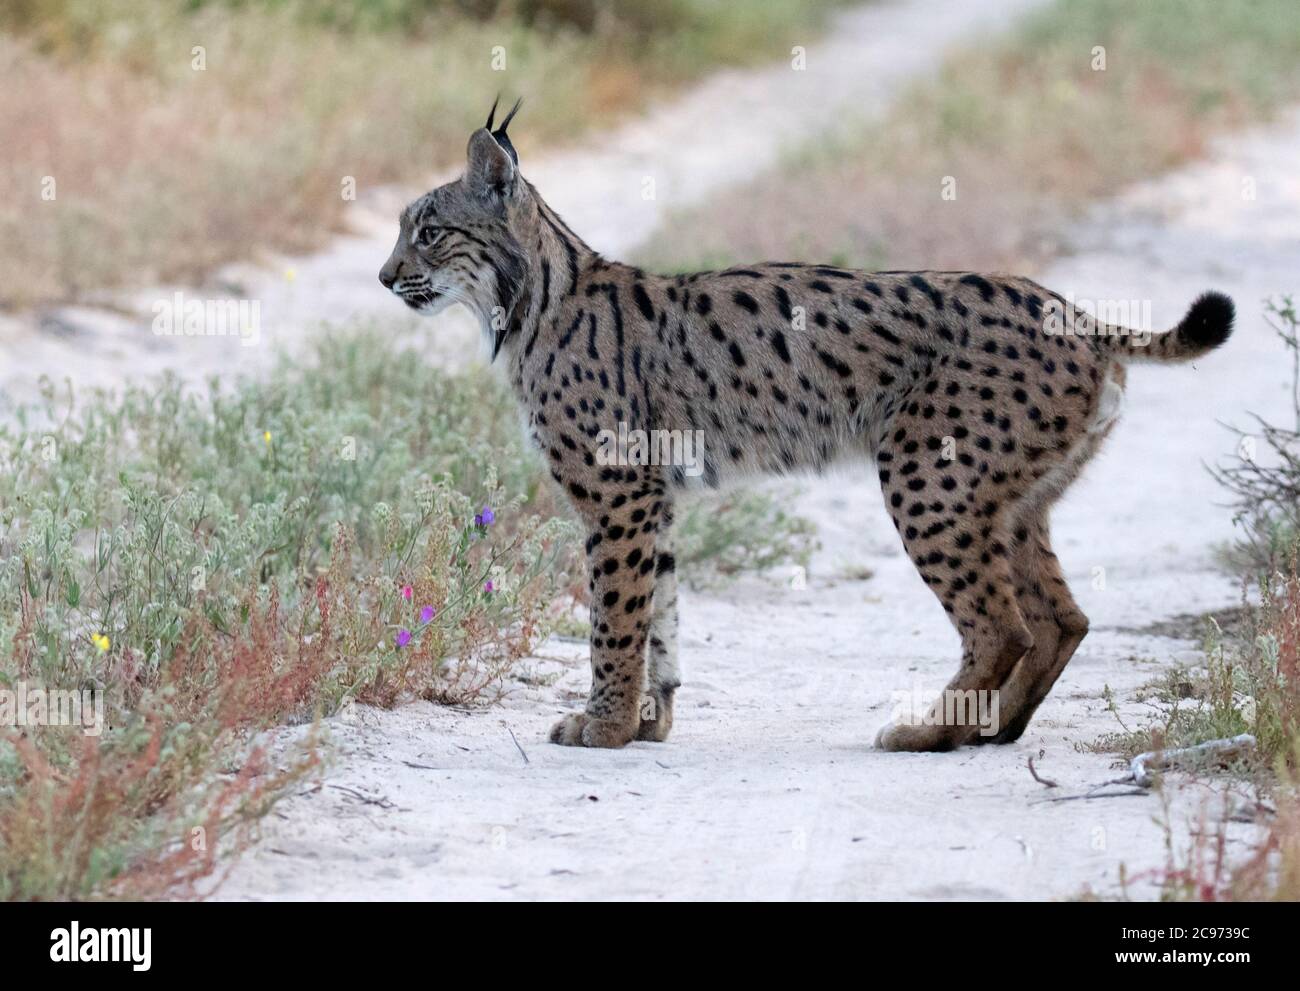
{"x": 583, "y": 730}
{"x": 915, "y": 738}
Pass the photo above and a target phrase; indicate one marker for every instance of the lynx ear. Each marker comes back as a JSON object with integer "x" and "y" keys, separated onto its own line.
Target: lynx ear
{"x": 503, "y": 139}
{"x": 491, "y": 171}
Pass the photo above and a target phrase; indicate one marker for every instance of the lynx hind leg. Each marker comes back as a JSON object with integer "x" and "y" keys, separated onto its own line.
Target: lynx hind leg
{"x": 994, "y": 638}
{"x": 1058, "y": 623}
{"x": 663, "y": 675}
{"x": 963, "y": 558}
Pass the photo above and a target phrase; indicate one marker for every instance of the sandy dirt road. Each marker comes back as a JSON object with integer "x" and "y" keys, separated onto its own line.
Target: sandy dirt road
{"x": 769, "y": 787}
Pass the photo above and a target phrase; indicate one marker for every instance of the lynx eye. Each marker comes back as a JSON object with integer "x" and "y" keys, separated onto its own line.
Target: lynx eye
{"x": 427, "y": 236}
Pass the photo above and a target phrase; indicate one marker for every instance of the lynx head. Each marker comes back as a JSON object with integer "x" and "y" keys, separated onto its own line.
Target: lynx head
{"x": 468, "y": 241}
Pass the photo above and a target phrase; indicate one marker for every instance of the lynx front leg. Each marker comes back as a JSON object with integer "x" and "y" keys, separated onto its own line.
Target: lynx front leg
{"x": 621, "y": 560}
{"x": 664, "y": 676}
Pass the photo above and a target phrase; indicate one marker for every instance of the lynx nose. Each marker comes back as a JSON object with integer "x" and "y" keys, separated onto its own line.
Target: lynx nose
{"x": 389, "y": 274}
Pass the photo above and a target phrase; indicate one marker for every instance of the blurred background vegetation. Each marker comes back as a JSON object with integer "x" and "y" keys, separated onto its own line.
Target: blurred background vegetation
{"x": 1033, "y": 126}
{"x": 165, "y": 171}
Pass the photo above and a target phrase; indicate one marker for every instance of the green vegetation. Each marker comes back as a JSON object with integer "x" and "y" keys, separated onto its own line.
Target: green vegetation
{"x": 741, "y": 530}
{"x": 216, "y": 563}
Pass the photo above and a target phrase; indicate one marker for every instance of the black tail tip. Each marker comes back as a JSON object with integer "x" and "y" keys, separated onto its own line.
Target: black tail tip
{"x": 1209, "y": 322}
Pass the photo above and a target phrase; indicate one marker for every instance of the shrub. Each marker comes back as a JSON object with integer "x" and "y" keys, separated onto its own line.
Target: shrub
{"x": 744, "y": 530}
{"x": 1265, "y": 480}
{"x": 220, "y": 560}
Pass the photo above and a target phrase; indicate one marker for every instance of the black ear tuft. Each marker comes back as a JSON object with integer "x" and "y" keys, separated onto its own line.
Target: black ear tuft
{"x": 493, "y": 112}
{"x": 500, "y": 133}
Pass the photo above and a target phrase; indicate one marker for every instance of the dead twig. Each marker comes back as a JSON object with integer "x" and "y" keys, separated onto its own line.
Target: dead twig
{"x": 1094, "y": 793}
{"x": 1045, "y": 782}
{"x": 517, "y": 747}
{"x": 382, "y": 802}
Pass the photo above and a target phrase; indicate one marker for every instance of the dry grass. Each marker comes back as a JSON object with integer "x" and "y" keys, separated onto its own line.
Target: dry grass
{"x": 163, "y": 171}
{"x": 1028, "y": 130}
{"x": 144, "y": 813}
{"x": 178, "y": 776}
{"x": 1207, "y": 868}
{"x": 1250, "y": 683}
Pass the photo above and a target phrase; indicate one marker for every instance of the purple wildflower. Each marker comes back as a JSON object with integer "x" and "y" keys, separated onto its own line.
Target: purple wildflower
{"x": 487, "y": 585}
{"x": 403, "y": 637}
{"x": 427, "y": 614}
{"x": 485, "y": 518}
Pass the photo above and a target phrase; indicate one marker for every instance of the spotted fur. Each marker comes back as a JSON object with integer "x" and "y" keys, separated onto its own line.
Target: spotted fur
{"x": 975, "y": 416}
